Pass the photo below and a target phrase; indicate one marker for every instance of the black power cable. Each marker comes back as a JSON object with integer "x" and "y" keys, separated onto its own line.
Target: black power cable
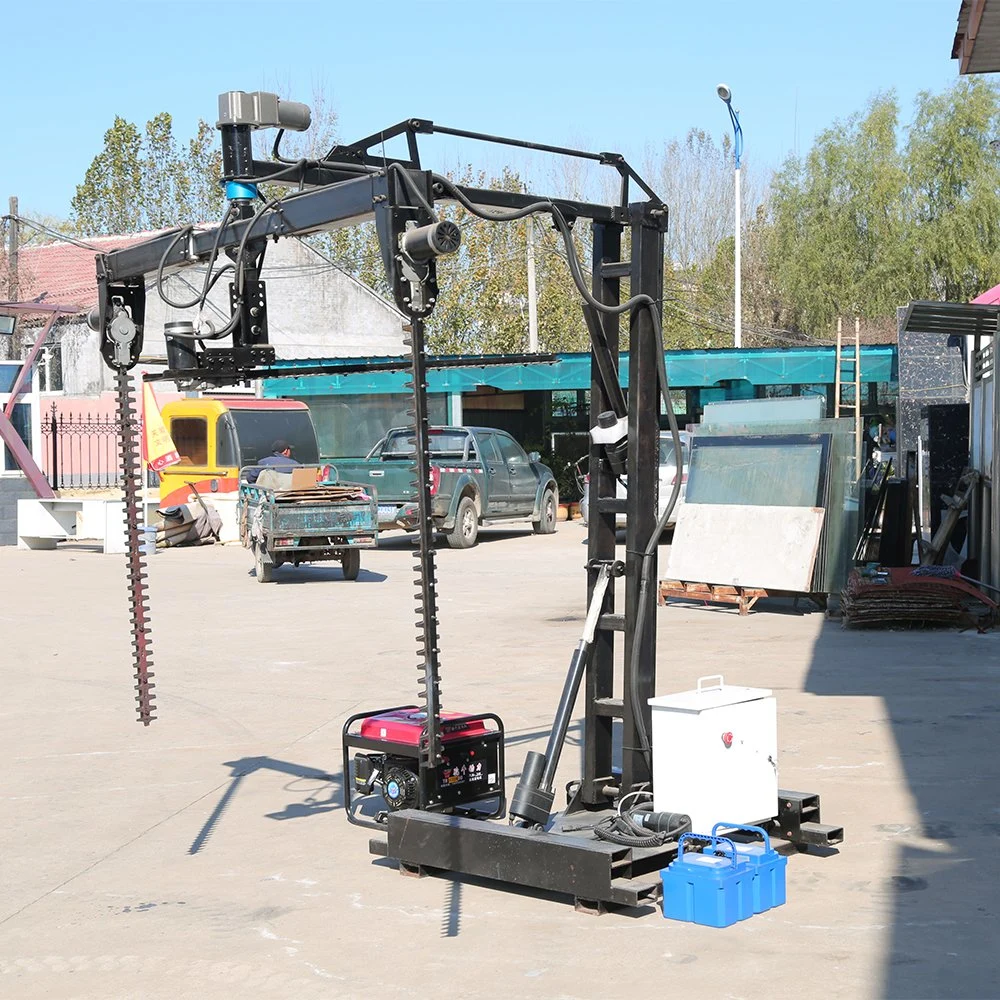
{"x": 622, "y": 829}
{"x": 210, "y": 279}
{"x": 240, "y": 258}
{"x": 633, "y": 303}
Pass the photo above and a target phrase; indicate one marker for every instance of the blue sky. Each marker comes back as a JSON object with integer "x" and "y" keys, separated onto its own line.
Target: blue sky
{"x": 516, "y": 68}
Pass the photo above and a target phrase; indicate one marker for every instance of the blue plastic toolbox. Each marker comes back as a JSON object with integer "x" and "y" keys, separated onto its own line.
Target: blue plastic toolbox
{"x": 710, "y": 889}
{"x": 768, "y": 885}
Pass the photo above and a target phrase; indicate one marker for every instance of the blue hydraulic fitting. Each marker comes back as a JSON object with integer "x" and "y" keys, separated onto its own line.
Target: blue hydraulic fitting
{"x": 235, "y": 191}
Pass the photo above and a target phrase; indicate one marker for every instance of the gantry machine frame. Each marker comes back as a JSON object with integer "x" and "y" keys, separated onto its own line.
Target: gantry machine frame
{"x": 356, "y": 183}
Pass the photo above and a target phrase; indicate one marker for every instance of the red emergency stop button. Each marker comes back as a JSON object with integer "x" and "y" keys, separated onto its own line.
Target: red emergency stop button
{"x": 727, "y": 740}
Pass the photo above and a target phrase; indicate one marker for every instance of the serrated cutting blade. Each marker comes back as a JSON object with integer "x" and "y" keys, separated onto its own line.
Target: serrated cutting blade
{"x": 135, "y": 561}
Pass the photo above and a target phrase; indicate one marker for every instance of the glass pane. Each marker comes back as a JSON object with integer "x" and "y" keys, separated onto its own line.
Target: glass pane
{"x": 8, "y": 373}
{"x": 190, "y": 437}
{"x": 838, "y": 491}
{"x": 763, "y": 473}
{"x": 21, "y": 419}
{"x": 511, "y": 450}
{"x": 490, "y": 451}
{"x": 225, "y": 442}
{"x": 257, "y": 430}
{"x": 349, "y": 426}
{"x": 442, "y": 443}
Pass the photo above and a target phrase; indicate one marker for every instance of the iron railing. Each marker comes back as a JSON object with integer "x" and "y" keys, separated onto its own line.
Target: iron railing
{"x": 983, "y": 363}
{"x": 81, "y": 451}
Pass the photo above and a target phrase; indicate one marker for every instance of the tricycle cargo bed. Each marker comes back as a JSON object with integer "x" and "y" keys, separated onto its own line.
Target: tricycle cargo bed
{"x": 322, "y": 511}
{"x": 313, "y": 519}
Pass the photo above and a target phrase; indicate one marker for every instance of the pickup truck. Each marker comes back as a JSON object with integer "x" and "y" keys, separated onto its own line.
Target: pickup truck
{"x": 479, "y": 475}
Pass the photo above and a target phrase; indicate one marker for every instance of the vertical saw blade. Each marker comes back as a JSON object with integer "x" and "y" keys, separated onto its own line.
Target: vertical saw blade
{"x": 131, "y": 470}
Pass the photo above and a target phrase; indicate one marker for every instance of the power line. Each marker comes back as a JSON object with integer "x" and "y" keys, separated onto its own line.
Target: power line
{"x": 51, "y": 232}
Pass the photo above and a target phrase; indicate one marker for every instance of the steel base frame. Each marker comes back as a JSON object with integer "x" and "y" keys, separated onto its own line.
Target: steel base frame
{"x": 567, "y": 859}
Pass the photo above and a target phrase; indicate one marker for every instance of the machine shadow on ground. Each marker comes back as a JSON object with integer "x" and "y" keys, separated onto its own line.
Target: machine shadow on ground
{"x": 944, "y": 717}
{"x": 487, "y": 536}
{"x": 314, "y": 791}
{"x": 285, "y": 575}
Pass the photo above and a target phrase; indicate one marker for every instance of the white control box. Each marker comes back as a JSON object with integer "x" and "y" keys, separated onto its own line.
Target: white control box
{"x": 715, "y": 754}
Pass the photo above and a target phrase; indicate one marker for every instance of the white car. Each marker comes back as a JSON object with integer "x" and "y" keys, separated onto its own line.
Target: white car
{"x": 668, "y": 473}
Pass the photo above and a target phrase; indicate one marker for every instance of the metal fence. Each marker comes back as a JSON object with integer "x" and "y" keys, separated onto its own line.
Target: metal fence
{"x": 81, "y": 451}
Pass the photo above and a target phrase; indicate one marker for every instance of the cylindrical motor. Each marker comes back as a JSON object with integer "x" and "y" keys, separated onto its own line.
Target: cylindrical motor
{"x": 439, "y": 238}
{"x": 661, "y": 822}
{"x": 181, "y": 354}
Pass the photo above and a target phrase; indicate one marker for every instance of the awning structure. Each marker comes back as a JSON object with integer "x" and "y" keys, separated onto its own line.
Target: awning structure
{"x": 685, "y": 369}
{"x": 977, "y": 38}
{"x": 964, "y": 319}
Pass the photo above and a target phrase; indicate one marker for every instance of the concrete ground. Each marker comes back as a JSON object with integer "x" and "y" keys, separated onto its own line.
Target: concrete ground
{"x": 208, "y": 856}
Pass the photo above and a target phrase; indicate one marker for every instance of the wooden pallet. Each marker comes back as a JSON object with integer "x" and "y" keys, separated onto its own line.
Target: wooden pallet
{"x": 709, "y": 593}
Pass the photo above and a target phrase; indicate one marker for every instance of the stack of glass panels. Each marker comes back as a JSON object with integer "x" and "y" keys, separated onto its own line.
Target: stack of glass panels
{"x": 805, "y": 463}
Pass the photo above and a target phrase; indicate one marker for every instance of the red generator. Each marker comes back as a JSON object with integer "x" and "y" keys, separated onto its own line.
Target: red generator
{"x": 382, "y": 764}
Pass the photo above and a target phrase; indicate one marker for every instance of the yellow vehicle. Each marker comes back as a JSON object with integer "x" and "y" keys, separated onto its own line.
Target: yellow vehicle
{"x": 216, "y": 437}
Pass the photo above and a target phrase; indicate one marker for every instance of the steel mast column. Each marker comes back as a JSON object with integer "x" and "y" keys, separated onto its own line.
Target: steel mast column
{"x": 643, "y": 482}
{"x": 237, "y": 165}
{"x": 599, "y": 683}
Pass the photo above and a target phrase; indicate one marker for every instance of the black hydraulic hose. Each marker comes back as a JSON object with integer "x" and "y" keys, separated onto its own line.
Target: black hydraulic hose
{"x": 614, "y": 832}
{"x": 414, "y": 189}
{"x": 621, "y": 829}
{"x": 234, "y": 320}
{"x": 635, "y": 302}
{"x": 209, "y": 279}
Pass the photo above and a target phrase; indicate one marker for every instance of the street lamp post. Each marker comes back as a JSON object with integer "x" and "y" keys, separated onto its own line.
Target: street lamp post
{"x": 726, "y": 95}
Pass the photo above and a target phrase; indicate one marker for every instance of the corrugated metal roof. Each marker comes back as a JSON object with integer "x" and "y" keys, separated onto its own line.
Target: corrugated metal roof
{"x": 951, "y": 318}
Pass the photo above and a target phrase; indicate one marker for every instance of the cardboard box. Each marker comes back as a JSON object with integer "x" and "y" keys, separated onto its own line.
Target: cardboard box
{"x": 304, "y": 478}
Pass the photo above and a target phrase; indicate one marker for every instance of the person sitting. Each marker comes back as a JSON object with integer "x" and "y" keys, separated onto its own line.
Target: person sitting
{"x": 280, "y": 460}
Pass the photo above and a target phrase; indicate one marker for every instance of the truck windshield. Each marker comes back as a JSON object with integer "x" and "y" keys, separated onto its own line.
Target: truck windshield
{"x": 441, "y": 444}
{"x": 257, "y": 430}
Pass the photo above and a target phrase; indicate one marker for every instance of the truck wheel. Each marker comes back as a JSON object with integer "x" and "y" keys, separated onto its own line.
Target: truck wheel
{"x": 263, "y": 563}
{"x": 466, "y": 530}
{"x": 546, "y": 523}
{"x": 350, "y": 560}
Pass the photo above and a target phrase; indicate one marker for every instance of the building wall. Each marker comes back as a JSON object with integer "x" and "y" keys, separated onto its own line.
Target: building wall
{"x": 12, "y": 489}
{"x": 313, "y": 309}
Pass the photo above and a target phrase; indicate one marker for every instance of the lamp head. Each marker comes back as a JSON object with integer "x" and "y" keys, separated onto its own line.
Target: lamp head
{"x": 724, "y": 93}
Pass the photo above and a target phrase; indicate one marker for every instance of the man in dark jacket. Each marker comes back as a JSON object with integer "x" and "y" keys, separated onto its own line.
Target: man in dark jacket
{"x": 280, "y": 460}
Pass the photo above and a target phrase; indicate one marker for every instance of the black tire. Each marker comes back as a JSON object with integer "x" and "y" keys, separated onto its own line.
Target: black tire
{"x": 263, "y": 563}
{"x": 546, "y": 523}
{"x": 350, "y": 560}
{"x": 466, "y": 530}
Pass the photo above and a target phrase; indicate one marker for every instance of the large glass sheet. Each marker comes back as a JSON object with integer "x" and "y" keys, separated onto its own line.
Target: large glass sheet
{"x": 837, "y": 490}
{"x": 760, "y": 471}
{"x": 349, "y": 426}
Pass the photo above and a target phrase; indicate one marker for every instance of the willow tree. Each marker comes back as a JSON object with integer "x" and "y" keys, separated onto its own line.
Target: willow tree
{"x": 954, "y": 189}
